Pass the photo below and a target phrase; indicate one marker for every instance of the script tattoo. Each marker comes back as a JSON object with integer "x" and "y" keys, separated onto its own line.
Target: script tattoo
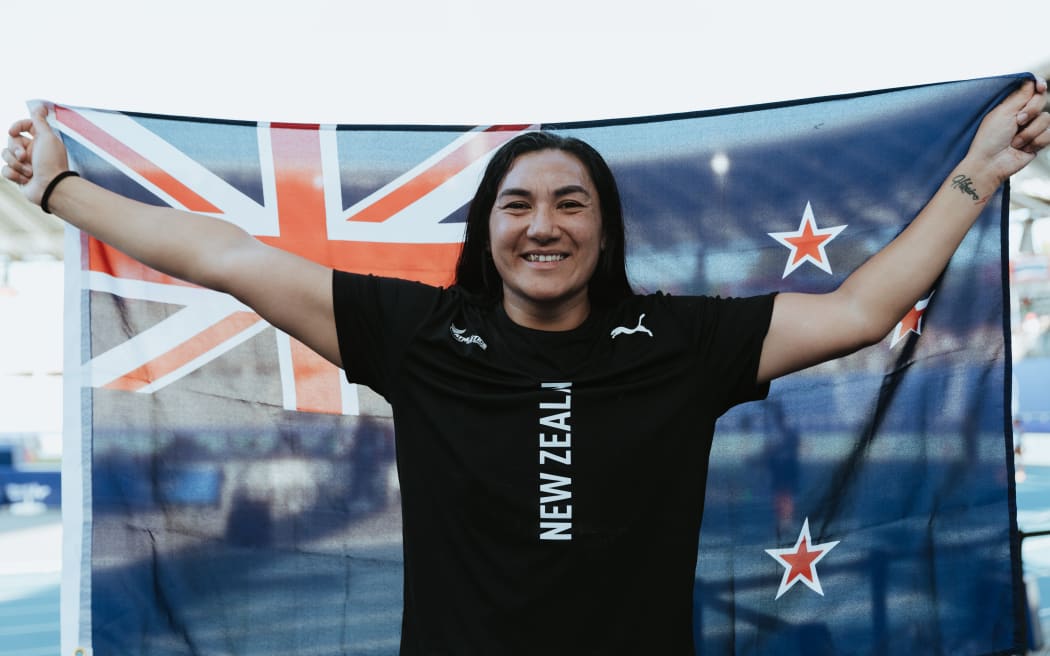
{"x": 965, "y": 184}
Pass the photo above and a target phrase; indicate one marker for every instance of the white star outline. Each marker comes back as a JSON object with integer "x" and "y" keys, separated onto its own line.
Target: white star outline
{"x": 898, "y": 331}
{"x": 787, "y": 581}
{"x": 809, "y": 221}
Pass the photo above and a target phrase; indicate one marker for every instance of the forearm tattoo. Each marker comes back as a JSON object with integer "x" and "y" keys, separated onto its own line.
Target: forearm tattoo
{"x": 964, "y": 184}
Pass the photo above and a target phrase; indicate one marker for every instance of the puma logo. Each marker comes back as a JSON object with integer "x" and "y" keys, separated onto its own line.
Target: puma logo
{"x": 457, "y": 334}
{"x": 624, "y": 330}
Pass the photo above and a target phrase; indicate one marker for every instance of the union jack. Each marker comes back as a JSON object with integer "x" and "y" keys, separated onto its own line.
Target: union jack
{"x": 398, "y": 230}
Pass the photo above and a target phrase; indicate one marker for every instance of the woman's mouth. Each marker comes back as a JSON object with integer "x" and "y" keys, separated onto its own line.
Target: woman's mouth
{"x": 545, "y": 257}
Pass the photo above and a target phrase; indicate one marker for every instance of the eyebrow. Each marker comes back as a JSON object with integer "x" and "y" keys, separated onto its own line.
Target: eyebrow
{"x": 558, "y": 193}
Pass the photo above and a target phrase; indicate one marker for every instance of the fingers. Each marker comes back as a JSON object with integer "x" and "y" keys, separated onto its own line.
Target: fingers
{"x": 18, "y": 127}
{"x": 15, "y": 176}
{"x": 1023, "y": 99}
{"x": 17, "y": 167}
{"x": 17, "y": 139}
{"x": 27, "y": 140}
{"x": 1035, "y": 135}
{"x": 1032, "y": 118}
{"x": 32, "y": 141}
{"x": 16, "y": 155}
{"x": 1034, "y": 105}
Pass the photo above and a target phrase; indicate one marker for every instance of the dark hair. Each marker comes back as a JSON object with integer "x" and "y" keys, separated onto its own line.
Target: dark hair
{"x": 476, "y": 272}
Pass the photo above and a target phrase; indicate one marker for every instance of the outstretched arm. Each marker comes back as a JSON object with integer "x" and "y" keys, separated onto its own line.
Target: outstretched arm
{"x": 292, "y": 293}
{"x": 807, "y": 329}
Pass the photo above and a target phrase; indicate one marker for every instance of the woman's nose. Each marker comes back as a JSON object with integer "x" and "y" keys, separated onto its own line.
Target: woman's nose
{"x": 542, "y": 226}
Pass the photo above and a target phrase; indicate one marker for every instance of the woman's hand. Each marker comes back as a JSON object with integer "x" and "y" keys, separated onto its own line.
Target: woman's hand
{"x": 34, "y": 154}
{"x": 1012, "y": 134}
{"x": 811, "y": 328}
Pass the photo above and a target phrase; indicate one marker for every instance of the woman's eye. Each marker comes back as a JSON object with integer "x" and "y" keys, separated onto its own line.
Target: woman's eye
{"x": 516, "y": 205}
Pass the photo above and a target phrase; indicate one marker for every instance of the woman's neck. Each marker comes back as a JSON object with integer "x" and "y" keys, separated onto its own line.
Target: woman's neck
{"x": 556, "y": 317}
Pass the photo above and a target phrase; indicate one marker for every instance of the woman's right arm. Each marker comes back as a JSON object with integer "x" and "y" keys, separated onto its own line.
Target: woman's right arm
{"x": 291, "y": 292}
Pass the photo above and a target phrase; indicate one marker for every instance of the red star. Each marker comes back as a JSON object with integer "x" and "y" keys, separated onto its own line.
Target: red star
{"x": 807, "y": 244}
{"x": 912, "y": 322}
{"x": 800, "y": 561}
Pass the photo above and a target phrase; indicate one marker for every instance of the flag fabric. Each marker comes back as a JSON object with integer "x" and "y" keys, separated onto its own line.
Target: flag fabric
{"x": 227, "y": 492}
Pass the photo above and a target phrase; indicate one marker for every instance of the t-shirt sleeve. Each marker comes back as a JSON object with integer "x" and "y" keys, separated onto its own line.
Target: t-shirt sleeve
{"x": 375, "y": 319}
{"x": 731, "y": 335}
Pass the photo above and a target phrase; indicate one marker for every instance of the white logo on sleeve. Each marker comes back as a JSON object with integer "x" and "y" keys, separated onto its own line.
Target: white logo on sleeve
{"x": 624, "y": 330}
{"x": 457, "y": 334}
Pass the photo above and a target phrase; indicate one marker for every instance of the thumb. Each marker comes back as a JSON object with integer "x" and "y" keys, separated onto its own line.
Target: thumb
{"x": 38, "y": 111}
{"x": 48, "y": 153}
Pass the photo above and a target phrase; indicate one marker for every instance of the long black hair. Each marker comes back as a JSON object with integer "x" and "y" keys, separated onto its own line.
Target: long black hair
{"x": 476, "y": 272}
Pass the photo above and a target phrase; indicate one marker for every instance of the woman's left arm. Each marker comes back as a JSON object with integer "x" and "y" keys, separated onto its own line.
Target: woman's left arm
{"x": 807, "y": 329}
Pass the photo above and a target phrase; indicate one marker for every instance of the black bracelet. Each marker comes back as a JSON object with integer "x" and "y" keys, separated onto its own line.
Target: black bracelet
{"x": 51, "y": 187}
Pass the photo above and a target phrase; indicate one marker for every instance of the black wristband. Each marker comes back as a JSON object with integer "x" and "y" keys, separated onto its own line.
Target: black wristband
{"x": 51, "y": 187}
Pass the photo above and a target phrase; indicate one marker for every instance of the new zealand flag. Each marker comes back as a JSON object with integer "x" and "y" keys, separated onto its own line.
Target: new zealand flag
{"x": 230, "y": 493}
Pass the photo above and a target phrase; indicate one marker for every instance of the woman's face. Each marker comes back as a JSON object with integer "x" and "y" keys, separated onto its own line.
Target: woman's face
{"x": 545, "y": 234}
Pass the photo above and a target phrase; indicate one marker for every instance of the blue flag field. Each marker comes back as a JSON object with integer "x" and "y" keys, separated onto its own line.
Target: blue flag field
{"x": 226, "y": 491}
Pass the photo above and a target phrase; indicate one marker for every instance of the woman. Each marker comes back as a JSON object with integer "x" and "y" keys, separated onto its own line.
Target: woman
{"x": 550, "y": 423}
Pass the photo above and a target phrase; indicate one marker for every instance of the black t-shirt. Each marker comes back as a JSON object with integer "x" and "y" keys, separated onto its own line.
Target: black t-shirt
{"x": 552, "y": 482}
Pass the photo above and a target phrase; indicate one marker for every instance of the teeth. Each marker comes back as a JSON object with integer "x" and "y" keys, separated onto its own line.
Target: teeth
{"x": 538, "y": 257}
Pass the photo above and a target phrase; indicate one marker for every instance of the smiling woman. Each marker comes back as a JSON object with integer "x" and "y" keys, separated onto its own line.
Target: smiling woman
{"x": 543, "y": 211}
{"x": 545, "y": 235}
